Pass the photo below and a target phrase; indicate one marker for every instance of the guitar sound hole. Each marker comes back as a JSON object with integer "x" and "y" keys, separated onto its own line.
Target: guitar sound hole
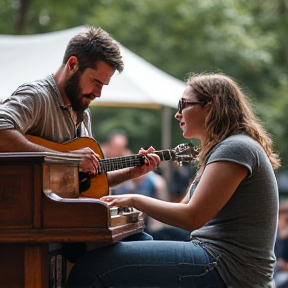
{"x": 84, "y": 182}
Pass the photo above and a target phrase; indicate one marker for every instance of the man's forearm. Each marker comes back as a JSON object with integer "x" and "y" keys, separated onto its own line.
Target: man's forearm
{"x": 119, "y": 176}
{"x": 13, "y": 141}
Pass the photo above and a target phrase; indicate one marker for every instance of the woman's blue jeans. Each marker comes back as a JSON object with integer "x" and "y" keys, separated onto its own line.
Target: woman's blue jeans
{"x": 147, "y": 264}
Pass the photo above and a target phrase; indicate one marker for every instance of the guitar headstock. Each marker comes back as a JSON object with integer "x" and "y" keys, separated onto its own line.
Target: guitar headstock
{"x": 181, "y": 153}
{"x": 186, "y": 152}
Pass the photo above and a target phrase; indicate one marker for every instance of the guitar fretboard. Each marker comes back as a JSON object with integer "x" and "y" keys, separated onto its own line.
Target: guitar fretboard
{"x": 165, "y": 155}
{"x": 110, "y": 164}
{"x": 116, "y": 163}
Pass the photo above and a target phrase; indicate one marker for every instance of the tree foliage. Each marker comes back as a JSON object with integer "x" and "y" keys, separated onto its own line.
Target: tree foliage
{"x": 245, "y": 39}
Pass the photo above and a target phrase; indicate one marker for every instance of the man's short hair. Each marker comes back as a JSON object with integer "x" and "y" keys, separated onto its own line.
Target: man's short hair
{"x": 92, "y": 46}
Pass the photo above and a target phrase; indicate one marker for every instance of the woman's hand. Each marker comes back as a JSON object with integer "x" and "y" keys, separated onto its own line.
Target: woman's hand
{"x": 125, "y": 200}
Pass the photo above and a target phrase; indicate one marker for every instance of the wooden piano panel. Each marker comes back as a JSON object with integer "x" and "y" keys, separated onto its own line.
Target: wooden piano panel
{"x": 11, "y": 271}
{"x": 16, "y": 196}
{"x": 76, "y": 213}
{"x": 24, "y": 265}
{"x": 31, "y": 219}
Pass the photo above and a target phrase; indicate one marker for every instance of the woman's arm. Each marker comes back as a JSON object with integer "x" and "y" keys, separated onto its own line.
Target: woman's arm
{"x": 218, "y": 183}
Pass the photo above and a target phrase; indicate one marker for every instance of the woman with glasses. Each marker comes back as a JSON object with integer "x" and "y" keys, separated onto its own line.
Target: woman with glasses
{"x": 231, "y": 207}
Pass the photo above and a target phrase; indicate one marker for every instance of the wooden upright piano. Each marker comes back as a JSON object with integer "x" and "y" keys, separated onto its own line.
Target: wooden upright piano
{"x": 40, "y": 208}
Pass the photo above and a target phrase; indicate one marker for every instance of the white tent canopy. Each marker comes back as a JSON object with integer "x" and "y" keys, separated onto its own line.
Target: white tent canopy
{"x": 29, "y": 57}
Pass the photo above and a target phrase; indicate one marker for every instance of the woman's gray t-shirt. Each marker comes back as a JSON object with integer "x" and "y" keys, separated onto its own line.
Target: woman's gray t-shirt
{"x": 243, "y": 232}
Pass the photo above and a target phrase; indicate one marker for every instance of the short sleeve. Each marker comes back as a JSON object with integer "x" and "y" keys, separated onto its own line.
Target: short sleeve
{"x": 239, "y": 149}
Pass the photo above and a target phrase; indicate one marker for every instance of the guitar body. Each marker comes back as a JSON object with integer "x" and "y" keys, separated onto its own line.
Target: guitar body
{"x": 99, "y": 185}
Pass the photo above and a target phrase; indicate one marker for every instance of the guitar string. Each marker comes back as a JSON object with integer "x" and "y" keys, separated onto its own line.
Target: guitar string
{"x": 111, "y": 164}
{"x": 115, "y": 163}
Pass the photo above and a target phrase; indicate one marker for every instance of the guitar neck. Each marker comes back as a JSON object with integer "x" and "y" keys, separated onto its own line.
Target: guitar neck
{"x": 116, "y": 163}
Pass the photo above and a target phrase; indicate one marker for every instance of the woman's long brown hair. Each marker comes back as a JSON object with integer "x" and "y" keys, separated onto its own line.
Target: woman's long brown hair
{"x": 230, "y": 114}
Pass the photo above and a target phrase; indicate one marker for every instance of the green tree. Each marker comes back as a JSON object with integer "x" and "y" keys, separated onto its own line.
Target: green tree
{"x": 245, "y": 39}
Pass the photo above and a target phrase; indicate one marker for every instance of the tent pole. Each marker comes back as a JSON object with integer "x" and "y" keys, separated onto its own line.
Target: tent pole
{"x": 166, "y": 166}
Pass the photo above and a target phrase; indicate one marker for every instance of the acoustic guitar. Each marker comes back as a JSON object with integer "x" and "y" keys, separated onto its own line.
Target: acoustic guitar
{"x": 97, "y": 187}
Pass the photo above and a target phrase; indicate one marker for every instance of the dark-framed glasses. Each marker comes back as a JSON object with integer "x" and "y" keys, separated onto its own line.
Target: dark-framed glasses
{"x": 183, "y": 103}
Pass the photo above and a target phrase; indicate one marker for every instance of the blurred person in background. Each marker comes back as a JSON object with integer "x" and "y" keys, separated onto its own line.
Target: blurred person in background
{"x": 181, "y": 178}
{"x": 281, "y": 248}
{"x": 116, "y": 145}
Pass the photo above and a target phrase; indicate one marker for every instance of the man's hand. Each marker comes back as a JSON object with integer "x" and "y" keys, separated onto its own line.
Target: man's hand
{"x": 152, "y": 161}
{"x": 89, "y": 163}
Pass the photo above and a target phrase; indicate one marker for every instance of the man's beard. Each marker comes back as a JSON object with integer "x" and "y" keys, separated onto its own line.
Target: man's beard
{"x": 73, "y": 91}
